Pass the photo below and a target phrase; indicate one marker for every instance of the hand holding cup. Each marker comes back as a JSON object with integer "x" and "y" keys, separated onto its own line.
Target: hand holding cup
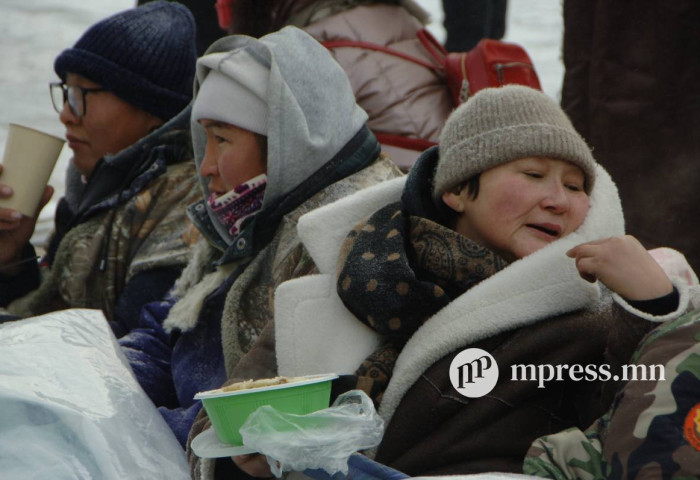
{"x": 16, "y": 233}
{"x": 9, "y": 218}
{"x": 29, "y": 159}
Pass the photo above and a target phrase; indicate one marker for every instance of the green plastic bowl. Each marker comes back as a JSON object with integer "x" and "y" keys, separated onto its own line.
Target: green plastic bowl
{"x": 229, "y": 410}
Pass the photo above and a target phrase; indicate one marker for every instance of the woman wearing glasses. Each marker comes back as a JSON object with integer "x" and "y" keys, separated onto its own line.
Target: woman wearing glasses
{"x": 119, "y": 238}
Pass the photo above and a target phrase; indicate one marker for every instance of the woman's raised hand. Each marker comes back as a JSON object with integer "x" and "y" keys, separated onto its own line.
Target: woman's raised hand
{"x": 624, "y": 266}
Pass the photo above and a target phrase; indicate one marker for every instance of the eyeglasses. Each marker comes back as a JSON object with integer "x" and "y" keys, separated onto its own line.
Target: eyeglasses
{"x": 73, "y": 94}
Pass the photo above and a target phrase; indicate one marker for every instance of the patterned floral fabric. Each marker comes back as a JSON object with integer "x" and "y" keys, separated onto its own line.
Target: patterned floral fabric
{"x": 653, "y": 427}
{"x": 397, "y": 271}
{"x": 239, "y": 204}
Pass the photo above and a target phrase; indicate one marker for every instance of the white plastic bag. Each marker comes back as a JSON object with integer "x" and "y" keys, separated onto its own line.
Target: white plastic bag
{"x": 320, "y": 440}
{"x": 71, "y": 408}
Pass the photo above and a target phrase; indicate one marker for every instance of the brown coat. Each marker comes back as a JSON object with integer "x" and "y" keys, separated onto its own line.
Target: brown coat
{"x": 631, "y": 89}
{"x": 436, "y": 431}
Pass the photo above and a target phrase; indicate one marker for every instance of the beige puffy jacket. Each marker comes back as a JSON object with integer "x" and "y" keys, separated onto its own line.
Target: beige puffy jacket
{"x": 401, "y": 97}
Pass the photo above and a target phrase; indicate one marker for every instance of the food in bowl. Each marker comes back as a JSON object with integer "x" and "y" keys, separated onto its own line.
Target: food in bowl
{"x": 229, "y": 409}
{"x": 263, "y": 382}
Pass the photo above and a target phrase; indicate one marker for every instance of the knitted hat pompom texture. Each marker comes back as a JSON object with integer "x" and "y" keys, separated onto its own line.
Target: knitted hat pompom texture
{"x": 145, "y": 55}
{"x": 502, "y": 124}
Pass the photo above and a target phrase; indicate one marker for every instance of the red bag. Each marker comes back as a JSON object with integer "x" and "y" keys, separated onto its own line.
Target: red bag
{"x": 492, "y": 63}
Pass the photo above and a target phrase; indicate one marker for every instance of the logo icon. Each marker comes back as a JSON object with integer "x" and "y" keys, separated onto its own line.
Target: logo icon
{"x": 474, "y": 372}
{"x": 691, "y": 427}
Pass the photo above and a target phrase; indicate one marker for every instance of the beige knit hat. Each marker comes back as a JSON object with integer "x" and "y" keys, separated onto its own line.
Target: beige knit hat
{"x": 498, "y": 125}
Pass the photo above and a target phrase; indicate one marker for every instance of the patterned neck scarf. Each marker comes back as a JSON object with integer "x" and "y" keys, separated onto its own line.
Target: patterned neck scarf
{"x": 396, "y": 271}
{"x": 245, "y": 200}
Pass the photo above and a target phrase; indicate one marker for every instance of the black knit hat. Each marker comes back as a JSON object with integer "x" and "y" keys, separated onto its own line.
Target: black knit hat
{"x": 145, "y": 55}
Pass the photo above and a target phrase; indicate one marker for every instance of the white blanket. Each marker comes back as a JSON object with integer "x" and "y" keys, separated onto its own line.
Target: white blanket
{"x": 71, "y": 407}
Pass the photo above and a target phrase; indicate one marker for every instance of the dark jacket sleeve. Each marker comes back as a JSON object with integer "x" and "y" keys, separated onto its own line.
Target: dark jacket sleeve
{"x": 142, "y": 289}
{"x": 180, "y": 420}
{"x": 16, "y": 286}
{"x": 149, "y": 352}
{"x": 154, "y": 359}
{"x": 658, "y": 306}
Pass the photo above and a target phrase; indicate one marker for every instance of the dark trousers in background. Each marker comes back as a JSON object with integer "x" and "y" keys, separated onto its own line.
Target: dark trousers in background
{"x": 468, "y": 21}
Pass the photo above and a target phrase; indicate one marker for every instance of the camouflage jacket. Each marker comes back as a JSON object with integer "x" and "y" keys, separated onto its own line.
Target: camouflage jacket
{"x": 652, "y": 430}
{"x": 126, "y": 231}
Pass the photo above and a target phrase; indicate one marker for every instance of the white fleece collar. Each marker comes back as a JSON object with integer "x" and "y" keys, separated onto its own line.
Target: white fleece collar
{"x": 323, "y": 230}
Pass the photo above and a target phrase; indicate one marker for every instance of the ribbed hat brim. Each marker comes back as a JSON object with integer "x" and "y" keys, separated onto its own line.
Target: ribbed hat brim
{"x": 127, "y": 85}
{"x": 499, "y": 125}
{"x": 496, "y": 147}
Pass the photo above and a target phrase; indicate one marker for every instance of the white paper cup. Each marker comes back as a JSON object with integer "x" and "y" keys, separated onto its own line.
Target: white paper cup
{"x": 30, "y": 156}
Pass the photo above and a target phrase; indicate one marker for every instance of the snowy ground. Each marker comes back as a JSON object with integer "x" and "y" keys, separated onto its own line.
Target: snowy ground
{"x": 37, "y": 30}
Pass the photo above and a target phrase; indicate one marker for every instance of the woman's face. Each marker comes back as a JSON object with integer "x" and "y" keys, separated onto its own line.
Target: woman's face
{"x": 109, "y": 125}
{"x": 232, "y": 156}
{"x": 522, "y": 206}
